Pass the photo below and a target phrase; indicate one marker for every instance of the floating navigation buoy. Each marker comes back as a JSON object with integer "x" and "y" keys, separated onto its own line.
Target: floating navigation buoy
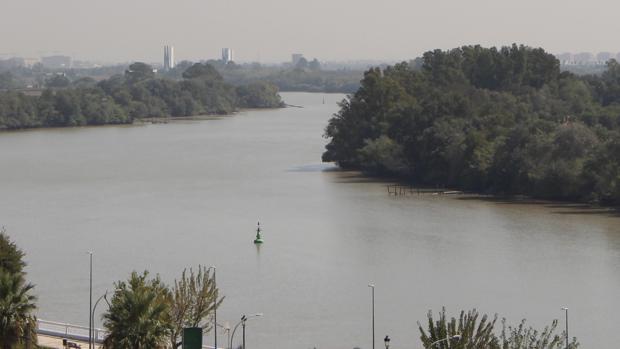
{"x": 259, "y": 239}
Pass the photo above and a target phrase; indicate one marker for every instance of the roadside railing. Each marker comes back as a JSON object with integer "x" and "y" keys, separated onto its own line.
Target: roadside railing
{"x": 69, "y": 331}
{"x": 74, "y": 332}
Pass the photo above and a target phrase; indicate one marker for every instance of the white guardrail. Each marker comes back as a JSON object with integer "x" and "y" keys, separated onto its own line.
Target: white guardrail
{"x": 75, "y": 332}
{"x": 69, "y": 331}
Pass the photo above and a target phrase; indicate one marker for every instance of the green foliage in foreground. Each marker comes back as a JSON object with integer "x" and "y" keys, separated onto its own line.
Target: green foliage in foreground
{"x": 17, "y": 304}
{"x": 139, "y": 314}
{"x": 490, "y": 120}
{"x": 477, "y": 332}
{"x": 193, "y": 302}
{"x": 136, "y": 94}
{"x": 146, "y": 313}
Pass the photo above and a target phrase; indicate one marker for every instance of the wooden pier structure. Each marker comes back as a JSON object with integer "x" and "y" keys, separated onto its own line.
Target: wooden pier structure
{"x": 405, "y": 189}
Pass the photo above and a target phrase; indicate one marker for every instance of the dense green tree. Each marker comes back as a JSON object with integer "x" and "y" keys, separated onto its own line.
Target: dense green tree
{"x": 485, "y": 119}
{"x": 314, "y": 65}
{"x": 137, "y": 94}
{"x": 17, "y": 304}
{"x": 202, "y": 71}
{"x": 302, "y": 64}
{"x": 85, "y": 82}
{"x": 259, "y": 95}
{"x": 139, "y": 314}
{"x": 11, "y": 257}
{"x": 139, "y": 71}
{"x": 57, "y": 81}
{"x": 7, "y": 81}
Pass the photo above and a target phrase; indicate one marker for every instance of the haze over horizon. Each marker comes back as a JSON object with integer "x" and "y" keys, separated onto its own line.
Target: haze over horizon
{"x": 270, "y": 30}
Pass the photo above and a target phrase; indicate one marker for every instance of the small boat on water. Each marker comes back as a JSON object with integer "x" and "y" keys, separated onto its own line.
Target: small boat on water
{"x": 258, "y": 239}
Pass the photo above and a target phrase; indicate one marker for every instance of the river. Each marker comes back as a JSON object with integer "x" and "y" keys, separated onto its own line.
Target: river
{"x": 164, "y": 197}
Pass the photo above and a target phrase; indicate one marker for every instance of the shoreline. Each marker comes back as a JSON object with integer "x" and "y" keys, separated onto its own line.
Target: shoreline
{"x": 142, "y": 121}
{"x": 351, "y": 175}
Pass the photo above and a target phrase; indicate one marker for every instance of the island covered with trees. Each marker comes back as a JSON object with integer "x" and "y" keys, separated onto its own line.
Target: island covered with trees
{"x": 493, "y": 120}
{"x": 136, "y": 94}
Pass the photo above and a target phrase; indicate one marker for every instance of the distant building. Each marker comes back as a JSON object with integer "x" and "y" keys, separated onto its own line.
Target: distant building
{"x": 603, "y": 57}
{"x": 12, "y": 63}
{"x": 56, "y": 62}
{"x": 564, "y": 58}
{"x": 583, "y": 58}
{"x": 29, "y": 62}
{"x": 227, "y": 55}
{"x": 296, "y": 57}
{"x": 168, "y": 58}
{"x": 84, "y": 65}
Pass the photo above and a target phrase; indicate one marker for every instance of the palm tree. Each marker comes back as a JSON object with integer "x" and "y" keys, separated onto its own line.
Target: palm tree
{"x": 472, "y": 334}
{"x": 16, "y": 307}
{"x": 470, "y": 331}
{"x": 139, "y": 314}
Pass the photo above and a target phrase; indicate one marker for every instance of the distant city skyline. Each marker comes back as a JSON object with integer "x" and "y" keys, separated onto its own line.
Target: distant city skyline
{"x": 228, "y": 55}
{"x": 271, "y": 30}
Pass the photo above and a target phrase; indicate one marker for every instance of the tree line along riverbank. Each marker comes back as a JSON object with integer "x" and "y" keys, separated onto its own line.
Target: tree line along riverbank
{"x": 136, "y": 94}
{"x": 492, "y": 120}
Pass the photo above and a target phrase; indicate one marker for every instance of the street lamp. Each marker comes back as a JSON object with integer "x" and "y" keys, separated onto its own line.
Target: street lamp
{"x": 244, "y": 318}
{"x": 90, "y": 305}
{"x": 455, "y": 337}
{"x": 566, "y": 313}
{"x": 386, "y": 340}
{"x": 372, "y": 286}
{"x": 214, "y": 307}
{"x": 226, "y": 328}
{"x": 92, "y": 315}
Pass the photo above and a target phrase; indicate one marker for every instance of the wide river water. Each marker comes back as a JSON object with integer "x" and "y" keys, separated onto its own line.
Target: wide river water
{"x": 165, "y": 197}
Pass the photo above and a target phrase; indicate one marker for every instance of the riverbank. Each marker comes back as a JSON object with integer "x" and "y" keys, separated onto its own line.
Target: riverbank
{"x": 395, "y": 187}
{"x": 137, "y": 94}
{"x": 146, "y": 120}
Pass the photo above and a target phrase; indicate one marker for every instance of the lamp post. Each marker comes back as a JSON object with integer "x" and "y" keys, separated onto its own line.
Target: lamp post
{"x": 372, "y": 286}
{"x": 566, "y": 314}
{"x": 90, "y": 304}
{"x": 214, "y": 307}
{"x": 244, "y": 318}
{"x": 455, "y": 337}
{"x": 226, "y": 328}
{"x": 92, "y": 315}
{"x": 386, "y": 340}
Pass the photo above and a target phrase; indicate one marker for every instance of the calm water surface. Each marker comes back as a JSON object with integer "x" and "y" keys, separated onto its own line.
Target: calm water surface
{"x": 169, "y": 196}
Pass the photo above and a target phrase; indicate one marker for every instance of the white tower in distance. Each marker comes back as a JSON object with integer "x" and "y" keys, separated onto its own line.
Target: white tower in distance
{"x": 227, "y": 55}
{"x": 169, "y": 57}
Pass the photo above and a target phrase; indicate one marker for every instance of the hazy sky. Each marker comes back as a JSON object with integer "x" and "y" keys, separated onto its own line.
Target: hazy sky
{"x": 270, "y": 30}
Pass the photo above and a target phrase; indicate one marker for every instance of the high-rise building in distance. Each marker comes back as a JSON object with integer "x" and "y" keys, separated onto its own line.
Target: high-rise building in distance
{"x": 227, "y": 55}
{"x": 295, "y": 57}
{"x": 56, "y": 62}
{"x": 168, "y": 57}
{"x": 603, "y": 57}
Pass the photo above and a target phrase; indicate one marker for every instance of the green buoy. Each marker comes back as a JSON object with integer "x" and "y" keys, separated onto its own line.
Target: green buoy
{"x": 259, "y": 239}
